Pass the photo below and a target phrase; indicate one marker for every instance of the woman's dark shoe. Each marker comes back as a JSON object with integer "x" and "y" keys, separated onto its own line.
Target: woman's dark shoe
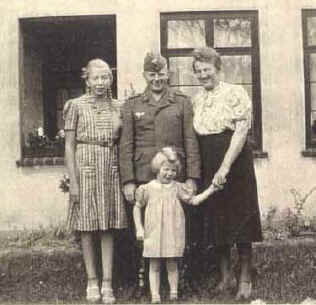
{"x": 244, "y": 291}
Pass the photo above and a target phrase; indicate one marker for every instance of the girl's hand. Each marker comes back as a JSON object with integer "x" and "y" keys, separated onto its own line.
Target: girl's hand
{"x": 140, "y": 234}
{"x": 220, "y": 177}
{"x": 196, "y": 200}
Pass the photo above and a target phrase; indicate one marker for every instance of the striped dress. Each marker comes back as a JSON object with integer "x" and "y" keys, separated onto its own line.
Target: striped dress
{"x": 101, "y": 204}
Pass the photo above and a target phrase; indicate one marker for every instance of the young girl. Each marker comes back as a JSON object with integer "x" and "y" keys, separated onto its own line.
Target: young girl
{"x": 164, "y": 229}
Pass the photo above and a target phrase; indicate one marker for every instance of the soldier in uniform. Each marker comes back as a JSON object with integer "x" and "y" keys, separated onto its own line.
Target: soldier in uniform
{"x": 159, "y": 117}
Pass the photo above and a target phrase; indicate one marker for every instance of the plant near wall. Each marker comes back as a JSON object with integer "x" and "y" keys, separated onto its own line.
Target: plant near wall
{"x": 64, "y": 184}
{"x": 281, "y": 224}
{"x": 296, "y": 220}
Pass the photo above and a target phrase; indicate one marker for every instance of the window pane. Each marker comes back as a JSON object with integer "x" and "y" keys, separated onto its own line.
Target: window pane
{"x": 60, "y": 120}
{"x": 62, "y": 97}
{"x": 313, "y": 67}
{"x": 237, "y": 69}
{"x": 248, "y": 88}
{"x": 186, "y": 33}
{"x": 311, "y": 31}
{"x": 313, "y": 96}
{"x": 189, "y": 90}
{"x": 232, "y": 32}
{"x": 181, "y": 71}
{"x": 313, "y": 125}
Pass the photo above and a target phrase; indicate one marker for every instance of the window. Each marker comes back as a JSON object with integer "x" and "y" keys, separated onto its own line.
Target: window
{"x": 234, "y": 35}
{"x": 309, "y": 47}
{"x": 52, "y": 52}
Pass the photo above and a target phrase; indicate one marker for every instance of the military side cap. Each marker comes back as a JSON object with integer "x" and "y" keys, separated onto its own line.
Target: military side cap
{"x": 154, "y": 62}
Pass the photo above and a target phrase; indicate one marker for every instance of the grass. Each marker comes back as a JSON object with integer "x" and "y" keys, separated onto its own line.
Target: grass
{"x": 46, "y": 265}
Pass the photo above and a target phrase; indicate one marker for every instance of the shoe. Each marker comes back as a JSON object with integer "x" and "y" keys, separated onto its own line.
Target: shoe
{"x": 173, "y": 296}
{"x": 155, "y": 299}
{"x": 107, "y": 296}
{"x": 139, "y": 292}
{"x": 223, "y": 286}
{"x": 93, "y": 294}
{"x": 244, "y": 291}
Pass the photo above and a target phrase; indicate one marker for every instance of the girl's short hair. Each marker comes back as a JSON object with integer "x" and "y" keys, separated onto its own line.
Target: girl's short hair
{"x": 95, "y": 63}
{"x": 166, "y": 154}
{"x": 207, "y": 55}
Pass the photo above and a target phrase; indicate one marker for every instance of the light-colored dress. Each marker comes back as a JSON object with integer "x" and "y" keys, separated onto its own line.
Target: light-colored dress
{"x": 164, "y": 228}
{"x": 101, "y": 204}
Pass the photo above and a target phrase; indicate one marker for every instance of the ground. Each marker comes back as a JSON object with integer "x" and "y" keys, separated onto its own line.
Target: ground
{"x": 50, "y": 270}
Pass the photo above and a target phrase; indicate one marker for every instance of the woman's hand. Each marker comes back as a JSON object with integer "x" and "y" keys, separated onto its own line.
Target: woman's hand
{"x": 74, "y": 192}
{"x": 140, "y": 233}
{"x": 220, "y": 177}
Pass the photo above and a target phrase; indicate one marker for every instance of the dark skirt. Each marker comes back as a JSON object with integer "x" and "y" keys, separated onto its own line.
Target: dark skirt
{"x": 232, "y": 214}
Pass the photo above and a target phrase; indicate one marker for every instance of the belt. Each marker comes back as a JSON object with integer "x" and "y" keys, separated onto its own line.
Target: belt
{"x": 100, "y": 143}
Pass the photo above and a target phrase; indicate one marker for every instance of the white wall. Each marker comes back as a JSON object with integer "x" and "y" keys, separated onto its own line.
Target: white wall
{"x": 31, "y": 195}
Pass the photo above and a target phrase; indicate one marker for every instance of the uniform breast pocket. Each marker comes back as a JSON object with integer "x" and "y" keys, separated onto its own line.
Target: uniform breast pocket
{"x": 175, "y": 118}
{"x": 170, "y": 126}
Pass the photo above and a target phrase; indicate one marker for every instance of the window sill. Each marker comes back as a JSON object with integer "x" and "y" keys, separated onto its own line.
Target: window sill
{"x": 59, "y": 161}
{"x": 259, "y": 154}
{"x": 40, "y": 161}
{"x": 309, "y": 153}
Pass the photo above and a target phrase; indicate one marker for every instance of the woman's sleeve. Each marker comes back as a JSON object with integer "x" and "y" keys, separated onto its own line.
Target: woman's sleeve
{"x": 185, "y": 192}
{"x": 241, "y": 107}
{"x": 70, "y": 114}
{"x": 141, "y": 196}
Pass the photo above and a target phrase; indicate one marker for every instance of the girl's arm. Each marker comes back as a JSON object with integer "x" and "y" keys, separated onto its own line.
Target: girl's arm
{"x": 138, "y": 221}
{"x": 196, "y": 200}
{"x": 237, "y": 143}
{"x": 70, "y": 148}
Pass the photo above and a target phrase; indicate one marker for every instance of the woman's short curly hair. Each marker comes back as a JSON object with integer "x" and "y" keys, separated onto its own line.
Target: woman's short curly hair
{"x": 95, "y": 63}
{"x": 166, "y": 154}
{"x": 207, "y": 55}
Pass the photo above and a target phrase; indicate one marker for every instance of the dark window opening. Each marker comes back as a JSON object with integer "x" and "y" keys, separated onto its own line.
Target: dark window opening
{"x": 52, "y": 52}
{"x": 309, "y": 48}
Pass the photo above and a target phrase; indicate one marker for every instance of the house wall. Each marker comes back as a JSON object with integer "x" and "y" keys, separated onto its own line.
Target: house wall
{"x": 30, "y": 196}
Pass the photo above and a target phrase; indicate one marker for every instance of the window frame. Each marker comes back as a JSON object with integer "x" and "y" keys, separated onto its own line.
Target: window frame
{"x": 253, "y": 51}
{"x": 310, "y": 145}
{"x": 54, "y": 154}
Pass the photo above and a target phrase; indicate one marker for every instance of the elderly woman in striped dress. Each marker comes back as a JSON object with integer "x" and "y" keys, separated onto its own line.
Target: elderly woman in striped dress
{"x": 92, "y": 126}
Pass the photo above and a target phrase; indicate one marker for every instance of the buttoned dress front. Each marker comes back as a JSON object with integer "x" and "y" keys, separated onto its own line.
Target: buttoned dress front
{"x": 101, "y": 204}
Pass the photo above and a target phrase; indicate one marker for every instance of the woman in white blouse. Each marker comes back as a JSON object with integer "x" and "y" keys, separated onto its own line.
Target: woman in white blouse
{"x": 222, "y": 119}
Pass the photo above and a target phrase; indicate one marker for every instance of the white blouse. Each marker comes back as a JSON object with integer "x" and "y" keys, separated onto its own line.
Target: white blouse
{"x": 221, "y": 108}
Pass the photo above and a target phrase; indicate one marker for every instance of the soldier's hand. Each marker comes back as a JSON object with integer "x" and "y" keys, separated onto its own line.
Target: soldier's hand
{"x": 129, "y": 192}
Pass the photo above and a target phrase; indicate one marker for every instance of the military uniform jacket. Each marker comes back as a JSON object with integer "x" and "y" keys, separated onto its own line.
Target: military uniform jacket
{"x": 150, "y": 125}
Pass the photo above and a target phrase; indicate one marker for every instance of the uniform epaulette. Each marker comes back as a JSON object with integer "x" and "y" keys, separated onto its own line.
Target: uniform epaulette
{"x": 179, "y": 93}
{"x": 135, "y": 96}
